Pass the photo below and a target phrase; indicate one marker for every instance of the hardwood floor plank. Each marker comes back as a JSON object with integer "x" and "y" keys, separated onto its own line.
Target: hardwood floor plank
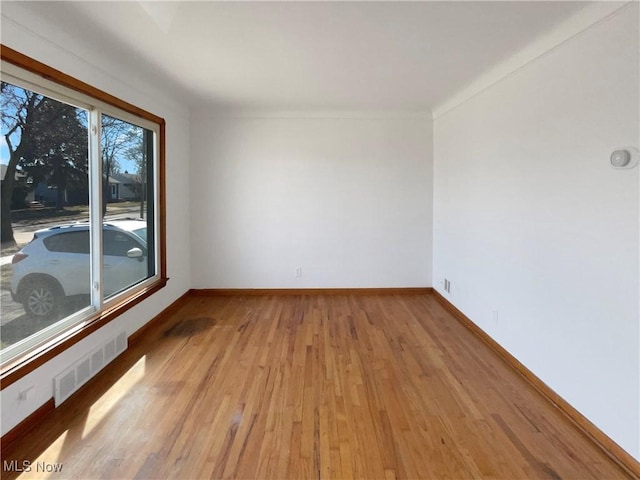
{"x": 310, "y": 386}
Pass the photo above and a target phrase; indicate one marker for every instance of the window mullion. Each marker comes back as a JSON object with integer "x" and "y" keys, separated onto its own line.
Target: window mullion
{"x": 95, "y": 208}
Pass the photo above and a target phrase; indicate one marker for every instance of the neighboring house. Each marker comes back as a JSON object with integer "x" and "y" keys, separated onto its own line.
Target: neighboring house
{"x": 43, "y": 193}
{"x": 3, "y": 171}
{"x": 48, "y": 195}
{"x": 22, "y": 189}
{"x": 114, "y": 190}
{"x": 76, "y": 196}
{"x": 124, "y": 186}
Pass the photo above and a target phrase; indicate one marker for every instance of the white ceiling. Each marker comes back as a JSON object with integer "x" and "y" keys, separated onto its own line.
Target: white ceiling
{"x": 408, "y": 56}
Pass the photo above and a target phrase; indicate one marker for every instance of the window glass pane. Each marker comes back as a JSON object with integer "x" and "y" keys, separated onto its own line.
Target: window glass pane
{"x": 127, "y": 163}
{"x": 45, "y": 259}
{"x": 119, "y": 244}
{"x": 68, "y": 242}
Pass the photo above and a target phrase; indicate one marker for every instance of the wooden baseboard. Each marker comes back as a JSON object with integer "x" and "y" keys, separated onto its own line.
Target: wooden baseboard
{"x": 136, "y": 336}
{"x": 205, "y": 292}
{"x": 28, "y": 424}
{"x": 614, "y": 451}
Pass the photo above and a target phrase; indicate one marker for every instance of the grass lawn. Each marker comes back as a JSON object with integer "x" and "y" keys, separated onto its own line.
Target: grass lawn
{"x": 33, "y": 215}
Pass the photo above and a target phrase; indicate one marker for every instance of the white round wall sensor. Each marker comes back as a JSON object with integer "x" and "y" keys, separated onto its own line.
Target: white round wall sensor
{"x": 624, "y": 157}
{"x": 620, "y": 158}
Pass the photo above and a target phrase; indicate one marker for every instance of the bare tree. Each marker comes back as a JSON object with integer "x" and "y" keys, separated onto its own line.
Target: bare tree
{"x": 46, "y": 139}
{"x": 137, "y": 152}
{"x": 114, "y": 141}
{"x": 120, "y": 139}
{"x": 19, "y": 110}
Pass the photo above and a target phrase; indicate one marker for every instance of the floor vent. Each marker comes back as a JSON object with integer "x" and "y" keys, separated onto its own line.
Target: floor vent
{"x": 80, "y": 372}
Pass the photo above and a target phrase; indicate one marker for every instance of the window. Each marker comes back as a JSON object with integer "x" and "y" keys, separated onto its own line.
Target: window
{"x": 68, "y": 242}
{"x": 82, "y": 254}
{"x": 119, "y": 244}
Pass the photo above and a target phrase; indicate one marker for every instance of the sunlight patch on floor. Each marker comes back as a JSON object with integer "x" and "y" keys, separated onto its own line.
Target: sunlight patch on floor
{"x": 111, "y": 397}
{"x": 46, "y": 465}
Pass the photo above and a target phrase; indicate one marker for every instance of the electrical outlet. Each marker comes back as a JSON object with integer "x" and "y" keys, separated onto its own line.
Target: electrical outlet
{"x": 447, "y": 285}
{"x": 298, "y": 272}
{"x": 26, "y": 393}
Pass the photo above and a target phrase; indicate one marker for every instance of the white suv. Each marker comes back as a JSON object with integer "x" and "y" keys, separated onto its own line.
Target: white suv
{"x": 56, "y": 264}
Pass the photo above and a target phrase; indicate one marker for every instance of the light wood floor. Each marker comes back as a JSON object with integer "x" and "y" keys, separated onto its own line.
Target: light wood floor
{"x": 311, "y": 387}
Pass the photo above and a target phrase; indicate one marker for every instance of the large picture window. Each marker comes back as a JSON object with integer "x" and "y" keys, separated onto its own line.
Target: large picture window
{"x": 81, "y": 209}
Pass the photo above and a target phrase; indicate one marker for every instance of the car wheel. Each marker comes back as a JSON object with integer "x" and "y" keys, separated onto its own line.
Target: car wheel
{"x": 41, "y": 298}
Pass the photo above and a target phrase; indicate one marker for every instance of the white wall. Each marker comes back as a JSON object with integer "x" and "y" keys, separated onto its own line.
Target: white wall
{"x": 347, "y": 198}
{"x": 531, "y": 221}
{"x": 35, "y": 37}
